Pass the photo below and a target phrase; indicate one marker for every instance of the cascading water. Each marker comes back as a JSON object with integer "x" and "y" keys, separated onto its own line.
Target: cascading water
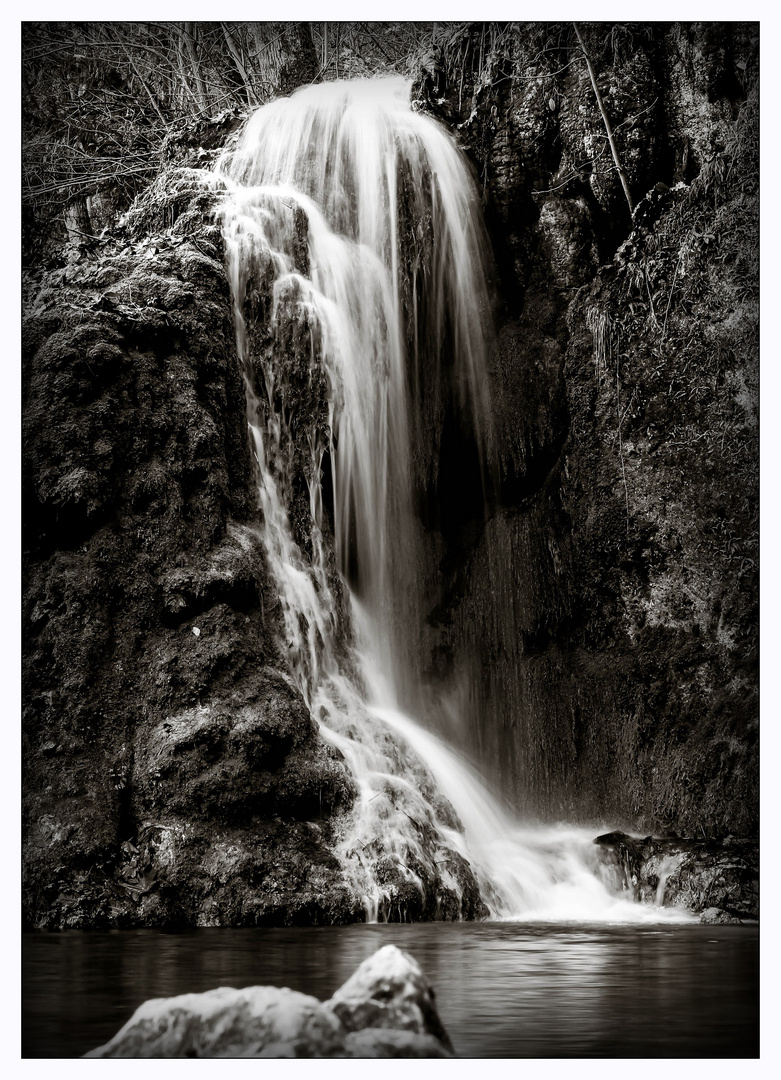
{"x": 358, "y": 269}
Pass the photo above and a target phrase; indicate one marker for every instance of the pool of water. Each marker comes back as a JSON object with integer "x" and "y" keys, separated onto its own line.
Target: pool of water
{"x": 504, "y": 990}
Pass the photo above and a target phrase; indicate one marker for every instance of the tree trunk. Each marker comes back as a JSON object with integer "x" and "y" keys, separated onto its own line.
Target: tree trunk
{"x": 236, "y": 56}
{"x": 192, "y": 53}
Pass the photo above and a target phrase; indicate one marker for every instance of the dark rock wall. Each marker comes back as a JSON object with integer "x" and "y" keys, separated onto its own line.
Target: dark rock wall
{"x": 172, "y": 773}
{"x": 608, "y": 610}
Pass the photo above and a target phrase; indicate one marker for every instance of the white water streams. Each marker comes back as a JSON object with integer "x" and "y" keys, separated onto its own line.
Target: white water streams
{"x": 357, "y": 263}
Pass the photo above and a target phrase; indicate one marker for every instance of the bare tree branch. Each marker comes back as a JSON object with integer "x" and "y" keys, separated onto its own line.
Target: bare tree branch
{"x": 606, "y": 119}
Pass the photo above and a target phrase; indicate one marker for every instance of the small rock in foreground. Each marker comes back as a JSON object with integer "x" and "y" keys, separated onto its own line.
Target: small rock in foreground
{"x": 389, "y": 991}
{"x": 385, "y": 1010}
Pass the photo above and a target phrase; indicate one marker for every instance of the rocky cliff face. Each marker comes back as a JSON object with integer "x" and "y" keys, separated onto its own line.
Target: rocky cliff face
{"x": 172, "y": 772}
{"x": 608, "y": 608}
{"x": 605, "y": 613}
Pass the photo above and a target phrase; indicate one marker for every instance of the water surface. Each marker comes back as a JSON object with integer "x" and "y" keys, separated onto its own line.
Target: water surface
{"x": 503, "y": 989}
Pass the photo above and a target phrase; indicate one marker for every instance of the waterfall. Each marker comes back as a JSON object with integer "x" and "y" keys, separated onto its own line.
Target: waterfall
{"x": 358, "y": 266}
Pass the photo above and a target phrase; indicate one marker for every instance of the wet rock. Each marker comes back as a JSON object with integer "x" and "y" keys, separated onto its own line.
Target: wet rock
{"x": 385, "y": 1010}
{"x": 381, "y": 1043}
{"x": 607, "y": 839}
{"x": 713, "y": 916}
{"x": 716, "y": 877}
{"x": 196, "y": 143}
{"x": 230, "y": 760}
{"x": 140, "y": 525}
{"x": 389, "y": 991}
{"x": 567, "y": 238}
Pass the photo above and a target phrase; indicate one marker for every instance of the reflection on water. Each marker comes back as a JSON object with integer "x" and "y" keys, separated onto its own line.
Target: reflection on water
{"x": 503, "y": 990}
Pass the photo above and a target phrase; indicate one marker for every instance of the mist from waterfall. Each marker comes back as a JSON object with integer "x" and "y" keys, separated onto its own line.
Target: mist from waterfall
{"x": 358, "y": 263}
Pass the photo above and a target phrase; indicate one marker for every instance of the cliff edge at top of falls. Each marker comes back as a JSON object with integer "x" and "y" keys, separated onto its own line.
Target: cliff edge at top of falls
{"x": 607, "y": 613}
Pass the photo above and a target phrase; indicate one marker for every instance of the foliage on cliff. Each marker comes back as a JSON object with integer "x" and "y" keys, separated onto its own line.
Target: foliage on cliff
{"x": 105, "y": 104}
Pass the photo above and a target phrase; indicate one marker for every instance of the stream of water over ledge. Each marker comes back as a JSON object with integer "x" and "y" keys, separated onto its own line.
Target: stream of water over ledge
{"x": 503, "y": 990}
{"x": 358, "y": 263}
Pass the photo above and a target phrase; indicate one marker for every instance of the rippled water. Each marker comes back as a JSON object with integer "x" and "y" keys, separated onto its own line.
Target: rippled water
{"x": 503, "y": 989}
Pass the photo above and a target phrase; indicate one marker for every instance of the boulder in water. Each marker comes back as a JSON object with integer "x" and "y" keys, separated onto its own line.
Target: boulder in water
{"x": 714, "y": 916}
{"x": 389, "y": 991}
{"x": 385, "y": 1010}
{"x": 703, "y": 875}
{"x": 253, "y": 1022}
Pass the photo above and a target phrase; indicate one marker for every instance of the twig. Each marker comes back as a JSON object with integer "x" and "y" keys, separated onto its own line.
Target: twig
{"x": 146, "y": 88}
{"x": 636, "y": 116}
{"x": 620, "y": 440}
{"x": 572, "y": 176}
{"x": 606, "y": 119}
{"x": 539, "y": 75}
{"x": 623, "y": 416}
{"x": 670, "y": 298}
{"x": 650, "y": 298}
